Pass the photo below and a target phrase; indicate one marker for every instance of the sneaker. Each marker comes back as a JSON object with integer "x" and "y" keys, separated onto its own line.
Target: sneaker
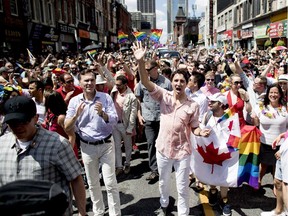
{"x": 162, "y": 211}
{"x": 213, "y": 196}
{"x": 118, "y": 171}
{"x": 272, "y": 213}
{"x": 127, "y": 169}
{"x": 153, "y": 175}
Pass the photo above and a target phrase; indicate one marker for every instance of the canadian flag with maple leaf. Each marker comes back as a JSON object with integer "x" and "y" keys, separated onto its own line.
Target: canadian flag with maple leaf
{"x": 229, "y": 156}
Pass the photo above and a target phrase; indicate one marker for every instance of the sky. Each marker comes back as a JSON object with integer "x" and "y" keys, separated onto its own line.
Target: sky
{"x": 161, "y": 12}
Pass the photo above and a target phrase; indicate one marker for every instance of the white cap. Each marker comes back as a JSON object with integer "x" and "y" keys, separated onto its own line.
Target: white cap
{"x": 283, "y": 77}
{"x": 50, "y": 65}
{"x": 100, "y": 80}
{"x": 218, "y": 97}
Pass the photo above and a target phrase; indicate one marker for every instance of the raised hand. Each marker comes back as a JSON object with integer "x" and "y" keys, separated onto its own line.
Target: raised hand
{"x": 138, "y": 50}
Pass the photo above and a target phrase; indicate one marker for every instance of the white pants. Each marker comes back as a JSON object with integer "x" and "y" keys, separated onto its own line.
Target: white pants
{"x": 182, "y": 169}
{"x": 119, "y": 133}
{"x": 105, "y": 154}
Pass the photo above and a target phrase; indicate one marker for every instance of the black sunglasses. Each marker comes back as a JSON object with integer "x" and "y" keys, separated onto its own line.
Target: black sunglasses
{"x": 238, "y": 82}
{"x": 149, "y": 69}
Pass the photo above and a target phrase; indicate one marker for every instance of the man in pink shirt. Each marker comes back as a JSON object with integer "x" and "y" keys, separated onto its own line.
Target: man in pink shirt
{"x": 179, "y": 116}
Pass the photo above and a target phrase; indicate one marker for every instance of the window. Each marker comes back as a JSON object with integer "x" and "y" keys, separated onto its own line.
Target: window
{"x": 59, "y": 6}
{"x": 222, "y": 21}
{"x": 230, "y": 15}
{"x": 65, "y": 11}
{"x": 50, "y": 16}
{"x": 42, "y": 11}
{"x": 14, "y": 7}
{"x": 219, "y": 23}
{"x": 1, "y": 5}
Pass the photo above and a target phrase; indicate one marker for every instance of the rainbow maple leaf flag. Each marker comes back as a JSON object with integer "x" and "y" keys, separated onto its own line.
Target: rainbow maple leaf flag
{"x": 156, "y": 34}
{"x": 92, "y": 52}
{"x": 139, "y": 35}
{"x": 122, "y": 37}
{"x": 228, "y": 113}
{"x": 236, "y": 166}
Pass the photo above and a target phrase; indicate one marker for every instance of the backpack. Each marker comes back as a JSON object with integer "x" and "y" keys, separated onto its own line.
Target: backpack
{"x": 32, "y": 197}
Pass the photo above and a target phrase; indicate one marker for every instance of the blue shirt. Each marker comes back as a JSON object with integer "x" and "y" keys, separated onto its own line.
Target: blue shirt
{"x": 89, "y": 125}
{"x": 151, "y": 108}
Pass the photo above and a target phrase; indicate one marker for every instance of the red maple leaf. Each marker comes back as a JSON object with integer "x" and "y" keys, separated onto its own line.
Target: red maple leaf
{"x": 211, "y": 155}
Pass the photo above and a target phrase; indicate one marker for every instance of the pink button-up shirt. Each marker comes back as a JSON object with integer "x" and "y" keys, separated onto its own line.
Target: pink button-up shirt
{"x": 175, "y": 124}
{"x": 208, "y": 92}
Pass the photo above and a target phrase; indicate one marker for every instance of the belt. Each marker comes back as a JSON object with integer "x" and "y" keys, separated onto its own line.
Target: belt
{"x": 98, "y": 142}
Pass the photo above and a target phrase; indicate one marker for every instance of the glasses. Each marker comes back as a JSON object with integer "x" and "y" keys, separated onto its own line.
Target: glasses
{"x": 238, "y": 82}
{"x": 210, "y": 80}
{"x": 201, "y": 69}
{"x": 69, "y": 81}
{"x": 149, "y": 69}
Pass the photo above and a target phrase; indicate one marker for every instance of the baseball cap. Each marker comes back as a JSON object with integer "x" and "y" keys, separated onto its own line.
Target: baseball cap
{"x": 19, "y": 108}
{"x": 218, "y": 97}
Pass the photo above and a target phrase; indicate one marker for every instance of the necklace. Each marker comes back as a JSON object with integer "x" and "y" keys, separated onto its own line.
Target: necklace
{"x": 271, "y": 112}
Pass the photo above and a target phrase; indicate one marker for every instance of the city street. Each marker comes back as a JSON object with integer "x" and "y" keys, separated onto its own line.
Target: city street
{"x": 138, "y": 197}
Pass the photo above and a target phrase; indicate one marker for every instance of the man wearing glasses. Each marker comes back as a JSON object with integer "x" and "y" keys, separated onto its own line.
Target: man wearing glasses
{"x": 149, "y": 113}
{"x": 67, "y": 89}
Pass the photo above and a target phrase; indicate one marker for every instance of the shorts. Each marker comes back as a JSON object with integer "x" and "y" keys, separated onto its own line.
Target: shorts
{"x": 278, "y": 170}
{"x": 267, "y": 154}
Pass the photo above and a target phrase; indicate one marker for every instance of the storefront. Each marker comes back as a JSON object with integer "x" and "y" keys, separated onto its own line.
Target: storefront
{"x": 278, "y": 31}
{"x": 43, "y": 39}
{"x": 261, "y": 36}
{"x": 247, "y": 36}
{"x": 67, "y": 38}
{"x": 84, "y": 35}
{"x": 13, "y": 36}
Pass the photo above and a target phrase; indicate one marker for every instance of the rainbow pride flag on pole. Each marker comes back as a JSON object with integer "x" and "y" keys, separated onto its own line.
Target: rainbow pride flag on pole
{"x": 122, "y": 38}
{"x": 228, "y": 113}
{"x": 139, "y": 35}
{"x": 156, "y": 34}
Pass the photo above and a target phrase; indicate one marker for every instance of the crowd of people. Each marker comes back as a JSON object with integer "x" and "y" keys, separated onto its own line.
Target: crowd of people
{"x": 101, "y": 104}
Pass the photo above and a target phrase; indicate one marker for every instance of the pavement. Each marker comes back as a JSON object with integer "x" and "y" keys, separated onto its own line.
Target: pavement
{"x": 140, "y": 197}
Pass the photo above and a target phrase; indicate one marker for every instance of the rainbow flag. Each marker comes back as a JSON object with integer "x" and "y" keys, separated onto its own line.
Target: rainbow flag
{"x": 228, "y": 113}
{"x": 92, "y": 52}
{"x": 249, "y": 148}
{"x": 20, "y": 66}
{"x": 268, "y": 29}
{"x": 156, "y": 34}
{"x": 122, "y": 38}
{"x": 139, "y": 35}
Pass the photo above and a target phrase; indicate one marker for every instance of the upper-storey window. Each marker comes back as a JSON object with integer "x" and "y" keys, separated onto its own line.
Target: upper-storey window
{"x": 14, "y": 7}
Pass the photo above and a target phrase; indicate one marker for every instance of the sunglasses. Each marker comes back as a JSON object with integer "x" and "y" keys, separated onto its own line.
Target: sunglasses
{"x": 209, "y": 79}
{"x": 238, "y": 82}
{"x": 149, "y": 69}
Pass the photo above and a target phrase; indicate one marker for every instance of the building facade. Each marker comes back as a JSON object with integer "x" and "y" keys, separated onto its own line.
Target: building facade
{"x": 148, "y": 10}
{"x": 248, "y": 24}
{"x": 53, "y": 25}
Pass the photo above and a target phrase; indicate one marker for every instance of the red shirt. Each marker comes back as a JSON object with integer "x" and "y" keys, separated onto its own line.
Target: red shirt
{"x": 77, "y": 90}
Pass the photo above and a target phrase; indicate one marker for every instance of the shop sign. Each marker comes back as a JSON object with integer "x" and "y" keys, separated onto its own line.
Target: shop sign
{"x": 278, "y": 29}
{"x": 66, "y": 28}
{"x": 227, "y": 35}
{"x": 247, "y": 33}
{"x": 13, "y": 35}
{"x": 44, "y": 33}
{"x": 93, "y": 36}
{"x": 84, "y": 34}
{"x": 261, "y": 31}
